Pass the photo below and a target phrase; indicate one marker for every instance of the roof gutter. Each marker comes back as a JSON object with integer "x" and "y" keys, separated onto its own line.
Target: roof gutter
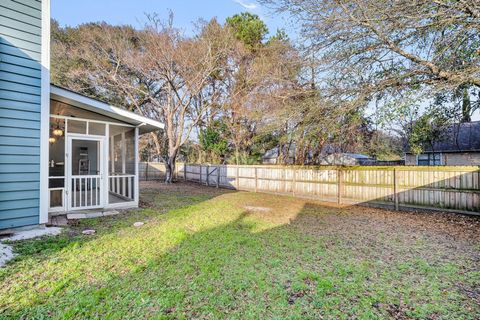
{"x": 448, "y": 151}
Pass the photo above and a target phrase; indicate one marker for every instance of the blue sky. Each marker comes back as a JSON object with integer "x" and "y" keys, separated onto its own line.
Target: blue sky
{"x": 186, "y": 12}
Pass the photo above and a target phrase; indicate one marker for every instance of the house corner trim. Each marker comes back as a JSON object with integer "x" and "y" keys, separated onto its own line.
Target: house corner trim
{"x": 45, "y": 112}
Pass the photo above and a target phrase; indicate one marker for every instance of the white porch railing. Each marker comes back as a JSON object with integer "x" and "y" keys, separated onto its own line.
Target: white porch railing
{"x": 86, "y": 191}
{"x": 122, "y": 185}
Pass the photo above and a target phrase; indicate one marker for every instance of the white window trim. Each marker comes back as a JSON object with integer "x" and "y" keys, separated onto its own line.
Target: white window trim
{"x": 428, "y": 153}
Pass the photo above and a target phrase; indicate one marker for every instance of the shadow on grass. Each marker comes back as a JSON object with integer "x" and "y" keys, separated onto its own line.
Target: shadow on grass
{"x": 214, "y": 259}
{"x": 152, "y": 205}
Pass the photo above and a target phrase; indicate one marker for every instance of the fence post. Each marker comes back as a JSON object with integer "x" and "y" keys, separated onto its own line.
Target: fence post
{"x": 339, "y": 185}
{"x": 185, "y": 171}
{"x": 256, "y": 181}
{"x": 294, "y": 181}
{"x": 200, "y": 174}
{"x": 146, "y": 171}
{"x": 218, "y": 176}
{"x": 395, "y": 191}
{"x": 208, "y": 175}
{"x": 237, "y": 182}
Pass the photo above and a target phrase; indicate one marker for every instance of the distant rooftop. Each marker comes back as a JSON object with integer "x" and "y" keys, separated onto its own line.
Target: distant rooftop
{"x": 460, "y": 137}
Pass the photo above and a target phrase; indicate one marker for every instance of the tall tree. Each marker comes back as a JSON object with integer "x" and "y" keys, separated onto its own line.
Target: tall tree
{"x": 248, "y": 28}
{"x": 256, "y": 76}
{"x": 429, "y": 129}
{"x": 367, "y": 47}
{"x": 155, "y": 71}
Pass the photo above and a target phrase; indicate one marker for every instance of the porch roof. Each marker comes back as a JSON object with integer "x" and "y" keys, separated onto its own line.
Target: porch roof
{"x": 80, "y": 101}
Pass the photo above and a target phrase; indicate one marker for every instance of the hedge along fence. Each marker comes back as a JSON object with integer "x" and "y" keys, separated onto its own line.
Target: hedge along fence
{"x": 455, "y": 189}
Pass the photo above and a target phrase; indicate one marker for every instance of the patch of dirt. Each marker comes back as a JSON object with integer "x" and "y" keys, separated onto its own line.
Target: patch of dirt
{"x": 169, "y": 310}
{"x": 395, "y": 311}
{"x": 295, "y": 295}
{"x": 307, "y": 292}
{"x": 145, "y": 204}
{"x": 472, "y": 293}
{"x": 392, "y": 236}
{"x": 415, "y": 225}
{"x": 258, "y": 209}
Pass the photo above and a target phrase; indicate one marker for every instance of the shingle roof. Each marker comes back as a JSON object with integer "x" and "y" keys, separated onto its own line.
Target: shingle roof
{"x": 459, "y": 137}
{"x": 327, "y": 149}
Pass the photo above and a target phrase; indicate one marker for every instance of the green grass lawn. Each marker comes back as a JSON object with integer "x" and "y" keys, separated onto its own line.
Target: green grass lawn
{"x": 205, "y": 253}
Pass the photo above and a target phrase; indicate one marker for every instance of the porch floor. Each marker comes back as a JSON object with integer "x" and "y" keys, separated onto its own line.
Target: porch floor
{"x": 91, "y": 199}
{"x": 115, "y": 199}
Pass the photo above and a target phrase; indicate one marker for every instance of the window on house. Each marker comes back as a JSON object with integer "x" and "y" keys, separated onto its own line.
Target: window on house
{"x": 429, "y": 159}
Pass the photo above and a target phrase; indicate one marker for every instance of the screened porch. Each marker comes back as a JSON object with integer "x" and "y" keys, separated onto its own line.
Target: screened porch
{"x": 91, "y": 161}
{"x": 92, "y": 155}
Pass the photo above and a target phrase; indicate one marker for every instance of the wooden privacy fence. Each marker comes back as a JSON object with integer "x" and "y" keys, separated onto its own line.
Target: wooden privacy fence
{"x": 151, "y": 171}
{"x": 455, "y": 189}
{"x": 155, "y": 170}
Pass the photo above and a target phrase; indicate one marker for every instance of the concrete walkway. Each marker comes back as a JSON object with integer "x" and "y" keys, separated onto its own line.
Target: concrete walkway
{"x": 6, "y": 251}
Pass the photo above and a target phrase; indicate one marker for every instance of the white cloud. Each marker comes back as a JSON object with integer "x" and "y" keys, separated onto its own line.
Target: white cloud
{"x": 246, "y": 5}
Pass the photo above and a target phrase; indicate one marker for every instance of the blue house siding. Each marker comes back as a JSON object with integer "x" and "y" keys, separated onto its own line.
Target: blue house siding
{"x": 20, "y": 93}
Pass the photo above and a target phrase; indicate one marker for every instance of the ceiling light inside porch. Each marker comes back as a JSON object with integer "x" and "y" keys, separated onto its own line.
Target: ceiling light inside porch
{"x": 57, "y": 131}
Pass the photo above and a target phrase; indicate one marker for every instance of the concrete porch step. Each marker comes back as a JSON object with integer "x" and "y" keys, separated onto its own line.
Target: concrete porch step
{"x": 88, "y": 214}
{"x": 58, "y": 220}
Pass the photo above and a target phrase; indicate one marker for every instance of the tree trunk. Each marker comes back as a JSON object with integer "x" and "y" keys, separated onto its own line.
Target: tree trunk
{"x": 170, "y": 168}
{"x": 466, "y": 106}
{"x": 237, "y": 154}
{"x": 157, "y": 144}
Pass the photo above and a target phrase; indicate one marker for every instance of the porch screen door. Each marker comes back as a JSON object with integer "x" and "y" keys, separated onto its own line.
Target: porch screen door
{"x": 85, "y": 173}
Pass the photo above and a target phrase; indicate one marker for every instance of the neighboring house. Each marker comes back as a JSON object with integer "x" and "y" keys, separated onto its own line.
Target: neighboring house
{"x": 272, "y": 156}
{"x": 59, "y": 151}
{"x": 346, "y": 159}
{"x": 328, "y": 157}
{"x": 461, "y": 147}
